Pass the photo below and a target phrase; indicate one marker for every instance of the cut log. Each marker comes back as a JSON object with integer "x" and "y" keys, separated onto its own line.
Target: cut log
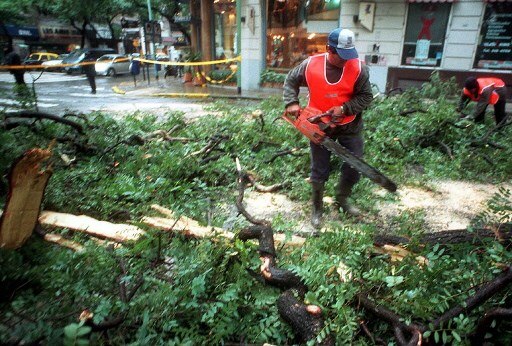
{"x": 307, "y": 325}
{"x": 60, "y": 240}
{"x": 194, "y": 229}
{"x": 27, "y": 182}
{"x": 189, "y": 229}
{"x": 502, "y": 233}
{"x": 81, "y": 223}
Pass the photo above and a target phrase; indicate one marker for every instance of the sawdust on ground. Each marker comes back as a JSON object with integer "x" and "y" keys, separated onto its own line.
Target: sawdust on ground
{"x": 447, "y": 205}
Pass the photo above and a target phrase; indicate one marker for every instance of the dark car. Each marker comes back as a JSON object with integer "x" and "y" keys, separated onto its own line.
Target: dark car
{"x": 81, "y": 55}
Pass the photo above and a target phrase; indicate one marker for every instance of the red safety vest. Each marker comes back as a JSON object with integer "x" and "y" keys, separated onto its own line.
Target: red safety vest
{"x": 484, "y": 83}
{"x": 324, "y": 95}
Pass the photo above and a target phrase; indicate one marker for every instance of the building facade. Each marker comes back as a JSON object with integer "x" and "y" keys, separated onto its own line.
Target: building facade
{"x": 403, "y": 41}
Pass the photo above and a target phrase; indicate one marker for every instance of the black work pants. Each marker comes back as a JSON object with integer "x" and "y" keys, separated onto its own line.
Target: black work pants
{"x": 92, "y": 81}
{"x": 19, "y": 77}
{"x": 321, "y": 160}
{"x": 499, "y": 112}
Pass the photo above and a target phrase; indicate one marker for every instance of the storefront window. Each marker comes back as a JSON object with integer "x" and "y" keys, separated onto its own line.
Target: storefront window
{"x": 494, "y": 49}
{"x": 285, "y": 50}
{"x": 225, "y": 28}
{"x": 288, "y": 41}
{"x": 322, "y": 9}
{"x": 425, "y": 33}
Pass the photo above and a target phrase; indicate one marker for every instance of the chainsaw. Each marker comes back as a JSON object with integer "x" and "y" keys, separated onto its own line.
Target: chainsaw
{"x": 314, "y": 126}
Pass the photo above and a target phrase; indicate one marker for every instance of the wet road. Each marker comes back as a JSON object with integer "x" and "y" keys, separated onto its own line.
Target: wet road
{"x": 59, "y": 93}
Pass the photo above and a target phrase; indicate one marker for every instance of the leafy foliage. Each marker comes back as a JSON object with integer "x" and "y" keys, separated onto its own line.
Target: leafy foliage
{"x": 201, "y": 292}
{"x": 270, "y": 76}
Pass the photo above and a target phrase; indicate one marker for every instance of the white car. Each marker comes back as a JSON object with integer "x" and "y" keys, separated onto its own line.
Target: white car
{"x": 112, "y": 64}
{"x": 51, "y": 65}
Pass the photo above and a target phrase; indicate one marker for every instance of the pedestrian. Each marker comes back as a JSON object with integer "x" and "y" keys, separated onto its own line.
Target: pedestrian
{"x": 90, "y": 72}
{"x": 338, "y": 83}
{"x": 11, "y": 58}
{"x": 179, "y": 74}
{"x": 485, "y": 91}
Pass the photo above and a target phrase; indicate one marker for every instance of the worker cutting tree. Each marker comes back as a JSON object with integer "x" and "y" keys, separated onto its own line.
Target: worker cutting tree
{"x": 339, "y": 85}
{"x": 484, "y": 91}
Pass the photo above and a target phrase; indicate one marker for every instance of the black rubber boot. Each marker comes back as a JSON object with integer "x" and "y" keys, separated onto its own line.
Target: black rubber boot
{"x": 318, "y": 204}
{"x": 342, "y": 193}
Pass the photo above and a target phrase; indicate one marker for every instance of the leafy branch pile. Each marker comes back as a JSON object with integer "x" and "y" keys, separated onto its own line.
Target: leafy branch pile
{"x": 166, "y": 289}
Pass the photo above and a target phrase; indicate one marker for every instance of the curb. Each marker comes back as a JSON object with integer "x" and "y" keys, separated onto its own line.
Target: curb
{"x": 120, "y": 91}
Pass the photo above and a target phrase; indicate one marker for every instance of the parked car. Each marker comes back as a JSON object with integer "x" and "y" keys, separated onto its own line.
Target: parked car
{"x": 50, "y": 65}
{"x": 112, "y": 64}
{"x": 39, "y": 57}
{"x": 80, "y": 55}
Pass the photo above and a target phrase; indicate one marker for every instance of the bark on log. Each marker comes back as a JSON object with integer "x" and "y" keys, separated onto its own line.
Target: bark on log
{"x": 481, "y": 296}
{"x": 416, "y": 330}
{"x": 27, "y": 183}
{"x": 502, "y": 233}
{"x": 265, "y": 236}
{"x": 85, "y": 224}
{"x": 485, "y": 323}
{"x": 306, "y": 324}
{"x": 41, "y": 115}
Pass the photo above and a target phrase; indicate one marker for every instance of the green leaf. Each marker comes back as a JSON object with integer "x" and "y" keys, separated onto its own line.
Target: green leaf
{"x": 83, "y": 330}
{"x": 456, "y": 336}
{"x": 70, "y": 330}
{"x": 393, "y": 280}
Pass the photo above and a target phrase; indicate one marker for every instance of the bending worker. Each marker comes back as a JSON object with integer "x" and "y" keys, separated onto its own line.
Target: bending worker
{"x": 338, "y": 82}
{"x": 485, "y": 91}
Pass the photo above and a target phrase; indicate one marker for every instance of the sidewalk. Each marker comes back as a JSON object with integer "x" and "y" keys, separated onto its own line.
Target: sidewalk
{"x": 174, "y": 87}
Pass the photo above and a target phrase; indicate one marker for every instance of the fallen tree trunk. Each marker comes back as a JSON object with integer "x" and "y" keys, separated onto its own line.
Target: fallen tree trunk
{"x": 42, "y": 115}
{"x": 415, "y": 331}
{"x": 502, "y": 233}
{"x": 81, "y": 223}
{"x": 27, "y": 182}
{"x": 192, "y": 228}
{"x": 304, "y": 319}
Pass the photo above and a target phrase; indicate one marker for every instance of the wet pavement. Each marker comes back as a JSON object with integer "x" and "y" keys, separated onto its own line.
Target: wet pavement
{"x": 59, "y": 93}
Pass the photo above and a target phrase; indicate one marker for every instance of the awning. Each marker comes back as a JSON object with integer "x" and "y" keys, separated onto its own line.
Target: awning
{"x": 22, "y": 31}
{"x": 430, "y": 1}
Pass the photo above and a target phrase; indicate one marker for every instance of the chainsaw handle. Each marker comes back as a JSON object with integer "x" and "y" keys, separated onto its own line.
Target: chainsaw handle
{"x": 316, "y": 118}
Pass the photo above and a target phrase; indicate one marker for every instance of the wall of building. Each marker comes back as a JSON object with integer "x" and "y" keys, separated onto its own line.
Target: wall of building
{"x": 462, "y": 35}
{"x": 386, "y": 41}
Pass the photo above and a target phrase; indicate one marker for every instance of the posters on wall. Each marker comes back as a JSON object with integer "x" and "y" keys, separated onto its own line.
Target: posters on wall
{"x": 494, "y": 50}
{"x": 425, "y": 33}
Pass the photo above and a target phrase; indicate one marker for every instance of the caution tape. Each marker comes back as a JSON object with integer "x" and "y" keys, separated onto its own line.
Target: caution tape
{"x": 198, "y": 95}
{"x": 44, "y": 67}
{"x": 218, "y": 81}
{"x": 195, "y": 63}
{"x": 142, "y": 60}
{"x": 157, "y": 62}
